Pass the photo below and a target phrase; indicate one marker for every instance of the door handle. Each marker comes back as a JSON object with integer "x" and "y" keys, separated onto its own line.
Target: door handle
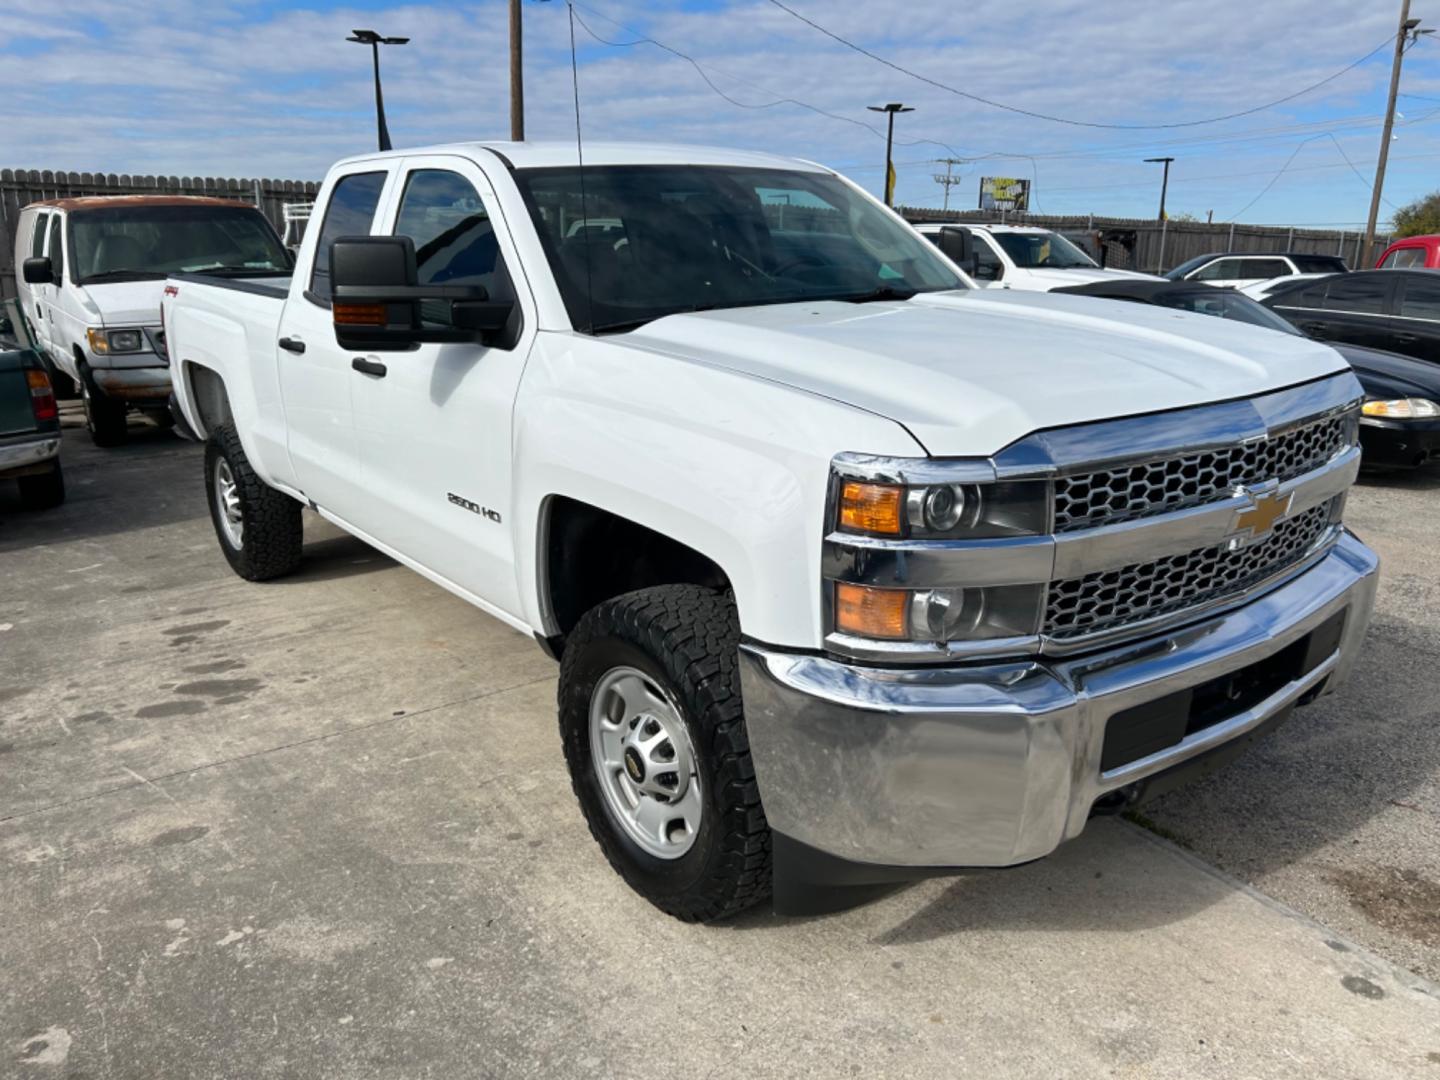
{"x": 369, "y": 367}
{"x": 291, "y": 344}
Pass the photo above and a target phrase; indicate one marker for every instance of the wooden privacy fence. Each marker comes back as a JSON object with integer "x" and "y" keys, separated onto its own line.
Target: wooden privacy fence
{"x": 1136, "y": 243}
{"x": 19, "y": 187}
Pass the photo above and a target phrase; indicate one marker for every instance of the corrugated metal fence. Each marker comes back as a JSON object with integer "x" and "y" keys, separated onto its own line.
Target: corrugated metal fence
{"x": 1136, "y": 243}
{"x": 18, "y": 187}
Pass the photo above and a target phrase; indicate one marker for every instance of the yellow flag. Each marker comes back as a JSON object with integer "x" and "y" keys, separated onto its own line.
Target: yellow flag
{"x": 889, "y": 183}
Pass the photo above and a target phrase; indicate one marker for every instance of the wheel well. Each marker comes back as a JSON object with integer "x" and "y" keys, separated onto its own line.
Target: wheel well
{"x": 590, "y": 555}
{"x": 208, "y": 393}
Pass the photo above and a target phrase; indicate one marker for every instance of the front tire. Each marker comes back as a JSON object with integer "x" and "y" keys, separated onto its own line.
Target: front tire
{"x": 104, "y": 417}
{"x": 42, "y": 491}
{"x": 259, "y": 529}
{"x": 654, "y": 735}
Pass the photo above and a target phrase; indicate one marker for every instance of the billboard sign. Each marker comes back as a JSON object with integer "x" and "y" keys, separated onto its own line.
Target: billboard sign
{"x": 1004, "y": 193}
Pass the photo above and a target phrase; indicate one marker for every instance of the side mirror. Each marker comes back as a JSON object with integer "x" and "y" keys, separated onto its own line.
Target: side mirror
{"x": 38, "y": 270}
{"x": 378, "y": 305}
{"x": 6, "y": 326}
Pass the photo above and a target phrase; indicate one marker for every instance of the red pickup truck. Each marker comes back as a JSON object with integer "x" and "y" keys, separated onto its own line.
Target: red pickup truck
{"x": 1411, "y": 253}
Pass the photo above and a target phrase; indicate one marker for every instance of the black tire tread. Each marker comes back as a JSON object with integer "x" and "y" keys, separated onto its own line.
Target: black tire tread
{"x": 694, "y": 634}
{"x": 105, "y": 418}
{"x": 42, "y": 491}
{"x": 274, "y": 530}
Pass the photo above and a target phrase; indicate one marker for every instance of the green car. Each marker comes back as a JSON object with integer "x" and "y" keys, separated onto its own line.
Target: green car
{"x": 30, "y": 430}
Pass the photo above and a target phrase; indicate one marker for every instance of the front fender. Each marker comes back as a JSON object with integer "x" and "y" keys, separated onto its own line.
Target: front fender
{"x": 730, "y": 465}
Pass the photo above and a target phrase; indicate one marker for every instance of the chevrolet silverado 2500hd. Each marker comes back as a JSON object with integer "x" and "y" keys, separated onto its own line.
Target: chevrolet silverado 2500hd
{"x": 855, "y": 573}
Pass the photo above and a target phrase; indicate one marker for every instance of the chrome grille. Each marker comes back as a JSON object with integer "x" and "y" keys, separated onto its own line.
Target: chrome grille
{"x": 1158, "y": 487}
{"x": 1111, "y": 598}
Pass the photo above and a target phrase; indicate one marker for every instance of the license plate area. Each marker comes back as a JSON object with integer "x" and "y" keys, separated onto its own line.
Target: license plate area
{"x": 1142, "y": 730}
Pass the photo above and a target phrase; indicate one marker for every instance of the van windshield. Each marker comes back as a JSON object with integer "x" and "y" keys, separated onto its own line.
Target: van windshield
{"x": 644, "y": 241}
{"x": 136, "y": 243}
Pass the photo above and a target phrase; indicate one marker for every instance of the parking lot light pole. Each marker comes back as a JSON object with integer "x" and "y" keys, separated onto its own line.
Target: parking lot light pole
{"x": 1164, "y": 181}
{"x": 374, "y": 40}
{"x": 893, "y": 108}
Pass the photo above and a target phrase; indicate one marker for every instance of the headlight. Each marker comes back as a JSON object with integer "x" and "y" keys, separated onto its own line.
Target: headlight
{"x": 1401, "y": 409}
{"x": 106, "y": 342}
{"x": 943, "y": 511}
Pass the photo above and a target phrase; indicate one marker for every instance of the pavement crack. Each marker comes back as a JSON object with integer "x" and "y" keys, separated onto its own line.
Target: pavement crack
{"x": 152, "y": 781}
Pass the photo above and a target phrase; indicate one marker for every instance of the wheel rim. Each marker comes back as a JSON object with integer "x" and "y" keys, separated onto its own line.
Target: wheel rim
{"x": 645, "y": 763}
{"x": 227, "y": 505}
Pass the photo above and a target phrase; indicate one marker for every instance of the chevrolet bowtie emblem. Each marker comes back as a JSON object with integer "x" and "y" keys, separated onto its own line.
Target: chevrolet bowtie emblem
{"x": 1265, "y": 509}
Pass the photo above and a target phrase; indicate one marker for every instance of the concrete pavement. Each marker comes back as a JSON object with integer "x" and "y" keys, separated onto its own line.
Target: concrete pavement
{"x": 322, "y": 827}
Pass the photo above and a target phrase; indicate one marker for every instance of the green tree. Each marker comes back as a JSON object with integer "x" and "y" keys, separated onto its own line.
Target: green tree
{"x": 1420, "y": 217}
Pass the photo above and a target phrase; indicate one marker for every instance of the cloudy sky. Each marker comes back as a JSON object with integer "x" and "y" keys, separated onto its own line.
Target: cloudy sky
{"x": 226, "y": 88}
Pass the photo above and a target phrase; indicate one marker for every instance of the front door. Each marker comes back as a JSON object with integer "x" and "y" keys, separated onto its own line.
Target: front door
{"x": 1417, "y": 317}
{"x": 37, "y": 310}
{"x": 316, "y": 378}
{"x": 433, "y": 432}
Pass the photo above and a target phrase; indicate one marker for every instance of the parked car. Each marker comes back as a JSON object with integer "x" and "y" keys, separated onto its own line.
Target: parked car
{"x": 1400, "y": 418}
{"x": 91, "y": 274}
{"x": 825, "y": 539}
{"x": 1237, "y": 269}
{"x": 1394, "y": 310}
{"x": 30, "y": 430}
{"x": 1262, "y": 289}
{"x": 1018, "y": 256}
{"x": 1411, "y": 253}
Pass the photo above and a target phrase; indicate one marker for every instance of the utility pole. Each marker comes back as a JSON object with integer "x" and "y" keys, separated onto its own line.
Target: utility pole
{"x": 947, "y": 180}
{"x": 1165, "y": 180}
{"x": 893, "y": 108}
{"x": 374, "y": 40}
{"x": 1407, "y": 32}
{"x": 517, "y": 80}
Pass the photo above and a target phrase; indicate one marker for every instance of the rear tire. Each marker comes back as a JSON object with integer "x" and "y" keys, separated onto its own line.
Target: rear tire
{"x": 676, "y": 648}
{"x": 259, "y": 528}
{"x": 104, "y": 417}
{"x": 42, "y": 491}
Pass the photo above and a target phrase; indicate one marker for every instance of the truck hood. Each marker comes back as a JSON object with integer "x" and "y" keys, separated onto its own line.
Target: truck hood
{"x": 124, "y": 303}
{"x": 968, "y": 373}
{"x": 1047, "y": 278}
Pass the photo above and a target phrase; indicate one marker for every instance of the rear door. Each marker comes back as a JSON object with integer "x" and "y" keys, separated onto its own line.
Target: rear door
{"x": 1417, "y": 316}
{"x": 434, "y": 431}
{"x": 1356, "y": 310}
{"x": 316, "y": 378}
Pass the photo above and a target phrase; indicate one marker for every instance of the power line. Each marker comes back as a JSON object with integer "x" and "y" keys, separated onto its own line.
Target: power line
{"x": 1066, "y": 120}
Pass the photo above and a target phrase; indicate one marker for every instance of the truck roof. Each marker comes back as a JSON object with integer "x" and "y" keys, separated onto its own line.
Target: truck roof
{"x": 986, "y": 225}
{"x": 548, "y": 154}
{"x": 98, "y": 202}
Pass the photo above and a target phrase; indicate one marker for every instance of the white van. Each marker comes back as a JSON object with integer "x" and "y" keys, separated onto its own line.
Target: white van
{"x": 92, "y": 271}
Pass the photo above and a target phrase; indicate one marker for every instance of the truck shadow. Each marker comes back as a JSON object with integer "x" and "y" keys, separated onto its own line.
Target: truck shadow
{"x": 336, "y": 554}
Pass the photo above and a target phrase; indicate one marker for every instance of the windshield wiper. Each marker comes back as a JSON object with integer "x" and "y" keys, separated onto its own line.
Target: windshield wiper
{"x": 117, "y": 274}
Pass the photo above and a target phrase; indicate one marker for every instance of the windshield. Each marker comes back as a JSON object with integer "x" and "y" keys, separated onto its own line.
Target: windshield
{"x": 134, "y": 243}
{"x": 1227, "y": 305}
{"x": 1036, "y": 249}
{"x": 654, "y": 240}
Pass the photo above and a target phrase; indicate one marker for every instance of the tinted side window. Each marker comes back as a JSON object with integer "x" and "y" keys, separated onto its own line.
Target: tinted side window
{"x": 56, "y": 249}
{"x": 1421, "y": 299}
{"x": 1361, "y": 293}
{"x": 455, "y": 242}
{"x": 1400, "y": 258}
{"x": 1312, "y": 296}
{"x": 350, "y": 213}
{"x": 37, "y": 239}
{"x": 1219, "y": 270}
{"x": 1263, "y": 268}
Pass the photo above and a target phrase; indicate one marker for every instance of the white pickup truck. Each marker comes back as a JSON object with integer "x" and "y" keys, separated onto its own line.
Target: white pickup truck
{"x": 856, "y": 574}
{"x": 1020, "y": 256}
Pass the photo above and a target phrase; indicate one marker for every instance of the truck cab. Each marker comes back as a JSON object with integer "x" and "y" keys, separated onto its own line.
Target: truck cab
{"x": 1411, "y": 253}
{"x": 855, "y": 573}
{"x": 91, "y": 274}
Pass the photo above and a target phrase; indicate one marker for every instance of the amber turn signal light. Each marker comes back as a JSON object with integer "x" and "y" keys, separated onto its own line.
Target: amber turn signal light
{"x": 871, "y": 613}
{"x": 359, "y": 314}
{"x": 871, "y": 508}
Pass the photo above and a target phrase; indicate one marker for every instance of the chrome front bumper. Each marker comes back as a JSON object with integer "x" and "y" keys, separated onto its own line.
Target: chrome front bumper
{"x": 998, "y": 764}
